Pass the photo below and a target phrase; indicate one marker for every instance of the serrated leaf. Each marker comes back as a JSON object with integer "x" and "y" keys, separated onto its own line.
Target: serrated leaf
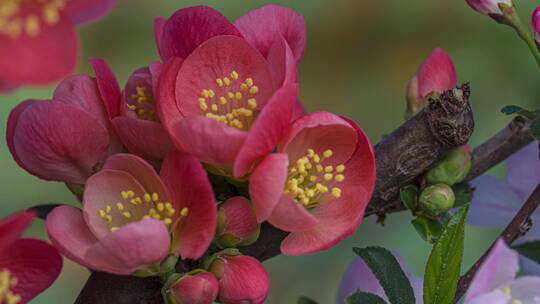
{"x": 305, "y": 300}
{"x": 428, "y": 229}
{"x": 463, "y": 193}
{"x": 409, "y": 196}
{"x": 511, "y": 109}
{"x": 530, "y": 250}
{"x": 364, "y": 298}
{"x": 388, "y": 272}
{"x": 444, "y": 263}
{"x": 43, "y": 210}
{"x": 535, "y": 128}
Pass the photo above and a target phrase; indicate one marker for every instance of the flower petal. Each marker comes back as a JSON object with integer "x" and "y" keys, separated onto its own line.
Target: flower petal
{"x": 168, "y": 112}
{"x": 282, "y": 63}
{"x": 523, "y": 170}
{"x": 321, "y": 131}
{"x": 35, "y": 265}
{"x": 189, "y": 27}
{"x": 337, "y": 220}
{"x": 269, "y": 128}
{"x": 525, "y": 289}
{"x": 436, "y": 74}
{"x": 494, "y": 297}
{"x": 69, "y": 233}
{"x": 144, "y": 138}
{"x": 59, "y": 142}
{"x": 12, "y": 227}
{"x": 262, "y": 26}
{"x": 190, "y": 188}
{"x": 216, "y": 58}
{"x": 108, "y": 86}
{"x": 82, "y": 91}
{"x": 133, "y": 246}
{"x": 38, "y": 54}
{"x": 494, "y": 198}
{"x": 159, "y": 24}
{"x": 13, "y": 119}
{"x": 244, "y": 280}
{"x": 500, "y": 267}
{"x": 267, "y": 183}
{"x": 104, "y": 189}
{"x": 211, "y": 141}
{"x": 291, "y": 216}
{"x": 81, "y": 11}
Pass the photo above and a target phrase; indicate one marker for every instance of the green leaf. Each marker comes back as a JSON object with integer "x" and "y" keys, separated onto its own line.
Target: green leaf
{"x": 511, "y": 109}
{"x": 444, "y": 263}
{"x": 535, "y": 128}
{"x": 530, "y": 250}
{"x": 409, "y": 196}
{"x": 463, "y": 193}
{"x": 428, "y": 229}
{"x": 364, "y": 298}
{"x": 388, "y": 272}
{"x": 305, "y": 300}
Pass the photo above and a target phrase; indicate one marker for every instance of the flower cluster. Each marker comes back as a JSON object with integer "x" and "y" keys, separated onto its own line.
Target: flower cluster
{"x": 193, "y": 154}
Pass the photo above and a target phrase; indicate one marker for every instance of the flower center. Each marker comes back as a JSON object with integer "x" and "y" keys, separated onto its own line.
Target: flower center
{"x": 508, "y": 294}
{"x": 142, "y": 104}
{"x": 135, "y": 208}
{"x": 309, "y": 178}
{"x": 8, "y": 282}
{"x": 13, "y": 25}
{"x": 234, "y": 104}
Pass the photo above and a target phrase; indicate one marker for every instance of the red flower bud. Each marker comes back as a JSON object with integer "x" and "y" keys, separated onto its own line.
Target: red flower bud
{"x": 242, "y": 279}
{"x": 200, "y": 288}
{"x": 237, "y": 224}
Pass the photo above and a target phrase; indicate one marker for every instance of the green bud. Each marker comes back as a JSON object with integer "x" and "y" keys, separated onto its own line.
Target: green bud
{"x": 437, "y": 199}
{"x": 452, "y": 169}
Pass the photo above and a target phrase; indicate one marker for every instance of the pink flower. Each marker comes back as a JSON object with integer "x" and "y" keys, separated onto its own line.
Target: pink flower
{"x": 132, "y": 218}
{"x": 489, "y": 7}
{"x": 67, "y": 139}
{"x": 318, "y": 184}
{"x": 27, "y": 266}
{"x": 435, "y": 75}
{"x": 219, "y": 105}
{"x": 199, "y": 288}
{"x": 228, "y": 95}
{"x": 496, "y": 282}
{"x": 536, "y": 24}
{"x": 138, "y": 125}
{"x": 38, "y": 43}
{"x": 242, "y": 279}
{"x": 237, "y": 224}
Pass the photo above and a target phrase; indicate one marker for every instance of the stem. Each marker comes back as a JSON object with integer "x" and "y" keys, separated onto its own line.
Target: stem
{"x": 526, "y": 36}
{"x": 513, "y": 231}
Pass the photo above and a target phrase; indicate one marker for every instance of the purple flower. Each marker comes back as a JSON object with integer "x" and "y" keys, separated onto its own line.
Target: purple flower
{"x": 496, "y": 201}
{"x": 359, "y": 277}
{"x": 496, "y": 282}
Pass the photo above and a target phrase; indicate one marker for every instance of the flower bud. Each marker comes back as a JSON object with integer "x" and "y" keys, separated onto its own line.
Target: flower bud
{"x": 236, "y": 223}
{"x": 491, "y": 8}
{"x": 197, "y": 287}
{"x": 536, "y": 25}
{"x": 452, "y": 169}
{"x": 437, "y": 199}
{"x": 242, "y": 279}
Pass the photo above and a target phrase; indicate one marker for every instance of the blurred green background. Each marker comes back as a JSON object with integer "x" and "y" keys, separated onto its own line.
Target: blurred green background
{"x": 359, "y": 57}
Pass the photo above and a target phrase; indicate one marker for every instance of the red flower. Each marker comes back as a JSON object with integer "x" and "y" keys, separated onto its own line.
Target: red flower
{"x": 68, "y": 138}
{"x": 27, "y": 266}
{"x": 38, "y": 43}
{"x": 318, "y": 184}
{"x": 224, "y": 95}
{"x": 138, "y": 124}
{"x": 237, "y": 224}
{"x": 132, "y": 218}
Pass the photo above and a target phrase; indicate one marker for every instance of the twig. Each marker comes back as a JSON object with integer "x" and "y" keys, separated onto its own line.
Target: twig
{"x": 510, "y": 234}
